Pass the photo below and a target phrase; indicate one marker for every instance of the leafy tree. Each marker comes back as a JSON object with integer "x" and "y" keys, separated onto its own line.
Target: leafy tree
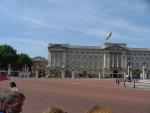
{"x": 24, "y": 59}
{"x": 7, "y": 56}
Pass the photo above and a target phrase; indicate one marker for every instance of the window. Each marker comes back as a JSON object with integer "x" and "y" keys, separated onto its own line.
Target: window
{"x": 95, "y": 57}
{"x": 134, "y": 54}
{"x": 76, "y": 52}
{"x": 137, "y": 65}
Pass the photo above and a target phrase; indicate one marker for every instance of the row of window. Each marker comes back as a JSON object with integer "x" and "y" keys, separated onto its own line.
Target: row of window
{"x": 140, "y": 54}
{"x": 83, "y": 52}
{"x": 138, "y": 65}
{"x": 140, "y": 58}
{"x": 85, "y": 57}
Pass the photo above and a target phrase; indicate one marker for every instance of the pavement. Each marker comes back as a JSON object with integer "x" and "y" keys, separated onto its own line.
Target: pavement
{"x": 144, "y": 81}
{"x": 141, "y": 84}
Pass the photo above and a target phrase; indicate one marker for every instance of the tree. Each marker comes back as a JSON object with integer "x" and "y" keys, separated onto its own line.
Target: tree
{"x": 7, "y": 56}
{"x": 24, "y": 59}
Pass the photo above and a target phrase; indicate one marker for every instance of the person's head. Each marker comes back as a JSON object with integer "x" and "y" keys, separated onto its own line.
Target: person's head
{"x": 13, "y": 102}
{"x": 54, "y": 110}
{"x": 13, "y": 84}
{"x": 98, "y": 109}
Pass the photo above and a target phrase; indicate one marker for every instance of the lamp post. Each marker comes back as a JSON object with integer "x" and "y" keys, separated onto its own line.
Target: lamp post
{"x": 129, "y": 76}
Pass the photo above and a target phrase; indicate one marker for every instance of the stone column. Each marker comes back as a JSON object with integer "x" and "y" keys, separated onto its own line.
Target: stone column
{"x": 50, "y": 58}
{"x": 99, "y": 75}
{"x": 108, "y": 61}
{"x": 64, "y": 58}
{"x": 143, "y": 72}
{"x": 36, "y": 73}
{"x": 104, "y": 60}
{"x": 117, "y": 60}
{"x": 124, "y": 75}
{"x": 47, "y": 73}
{"x": 73, "y": 74}
{"x": 122, "y": 61}
{"x": 62, "y": 73}
{"x": 113, "y": 60}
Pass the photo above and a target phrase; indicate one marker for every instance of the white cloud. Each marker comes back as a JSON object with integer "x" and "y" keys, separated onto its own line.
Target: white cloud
{"x": 24, "y": 41}
{"x": 68, "y": 18}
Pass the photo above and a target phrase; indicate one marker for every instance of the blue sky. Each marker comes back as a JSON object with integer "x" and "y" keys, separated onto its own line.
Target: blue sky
{"x": 30, "y": 25}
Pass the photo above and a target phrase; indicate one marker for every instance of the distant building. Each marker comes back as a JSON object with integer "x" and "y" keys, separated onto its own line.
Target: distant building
{"x": 39, "y": 65}
{"x": 109, "y": 60}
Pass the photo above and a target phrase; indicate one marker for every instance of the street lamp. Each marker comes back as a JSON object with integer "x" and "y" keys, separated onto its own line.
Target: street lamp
{"x": 129, "y": 76}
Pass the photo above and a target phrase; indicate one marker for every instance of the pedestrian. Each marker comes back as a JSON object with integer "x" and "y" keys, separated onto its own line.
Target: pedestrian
{"x": 13, "y": 86}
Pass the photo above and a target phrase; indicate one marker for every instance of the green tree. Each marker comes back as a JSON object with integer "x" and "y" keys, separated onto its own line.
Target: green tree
{"x": 8, "y": 56}
{"x": 24, "y": 59}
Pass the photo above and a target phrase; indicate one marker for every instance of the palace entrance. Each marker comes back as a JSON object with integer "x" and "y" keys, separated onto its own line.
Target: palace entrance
{"x": 115, "y": 74}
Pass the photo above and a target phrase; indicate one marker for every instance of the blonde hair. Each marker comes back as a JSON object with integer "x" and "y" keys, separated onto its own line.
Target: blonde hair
{"x": 98, "y": 109}
{"x": 54, "y": 110}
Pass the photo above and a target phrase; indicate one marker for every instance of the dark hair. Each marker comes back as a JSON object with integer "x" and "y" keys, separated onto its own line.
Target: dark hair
{"x": 13, "y": 84}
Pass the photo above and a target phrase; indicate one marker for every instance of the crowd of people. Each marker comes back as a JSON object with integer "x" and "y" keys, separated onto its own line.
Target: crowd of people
{"x": 12, "y": 101}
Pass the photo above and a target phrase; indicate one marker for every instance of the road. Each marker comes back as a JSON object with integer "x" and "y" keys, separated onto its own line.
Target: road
{"x": 77, "y": 95}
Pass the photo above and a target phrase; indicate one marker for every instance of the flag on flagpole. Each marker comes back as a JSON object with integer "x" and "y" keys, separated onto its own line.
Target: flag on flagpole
{"x": 109, "y": 36}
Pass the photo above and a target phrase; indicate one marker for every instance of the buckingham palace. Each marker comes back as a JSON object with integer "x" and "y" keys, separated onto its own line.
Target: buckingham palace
{"x": 109, "y": 60}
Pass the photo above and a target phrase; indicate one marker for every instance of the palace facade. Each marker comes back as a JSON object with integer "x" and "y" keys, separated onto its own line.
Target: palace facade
{"x": 110, "y": 60}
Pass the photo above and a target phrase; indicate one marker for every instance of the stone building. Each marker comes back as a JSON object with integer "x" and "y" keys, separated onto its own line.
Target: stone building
{"x": 110, "y": 60}
{"x": 39, "y": 66}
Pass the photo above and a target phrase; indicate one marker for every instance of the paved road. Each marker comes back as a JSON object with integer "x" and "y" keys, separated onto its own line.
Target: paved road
{"x": 76, "y": 96}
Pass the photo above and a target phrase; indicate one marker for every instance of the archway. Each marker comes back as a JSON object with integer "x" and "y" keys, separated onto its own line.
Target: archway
{"x": 115, "y": 74}
{"x": 55, "y": 73}
{"x": 68, "y": 73}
